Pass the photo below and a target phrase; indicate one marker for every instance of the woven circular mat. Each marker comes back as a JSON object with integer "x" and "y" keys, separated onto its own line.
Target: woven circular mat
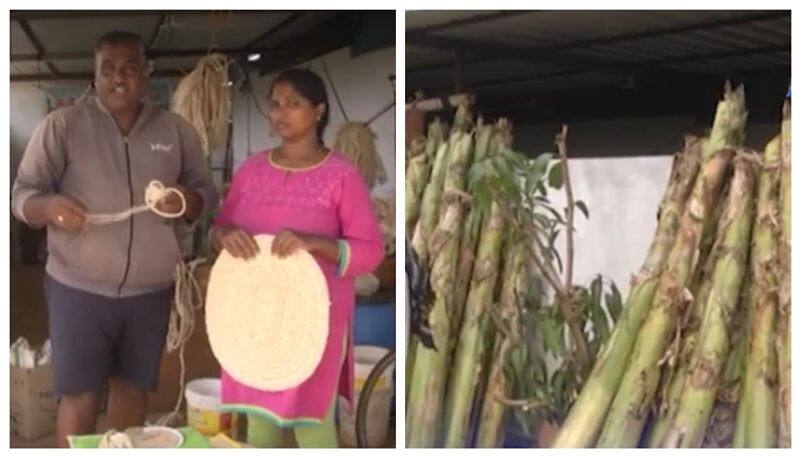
{"x": 267, "y": 318}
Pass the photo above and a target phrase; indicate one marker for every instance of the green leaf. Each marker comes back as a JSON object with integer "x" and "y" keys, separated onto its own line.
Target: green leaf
{"x": 556, "y": 177}
{"x": 559, "y": 381}
{"x": 614, "y": 302}
{"x": 582, "y": 207}
{"x": 540, "y": 370}
{"x": 542, "y": 189}
{"x": 539, "y": 167}
{"x": 556, "y": 215}
{"x": 479, "y": 171}
{"x": 600, "y": 324}
{"x": 518, "y": 160}
{"x": 481, "y": 198}
{"x": 523, "y": 421}
{"x": 596, "y": 291}
{"x": 553, "y": 336}
{"x": 508, "y": 369}
{"x": 534, "y": 288}
{"x": 594, "y": 347}
{"x": 503, "y": 167}
{"x": 557, "y": 257}
{"x": 530, "y": 186}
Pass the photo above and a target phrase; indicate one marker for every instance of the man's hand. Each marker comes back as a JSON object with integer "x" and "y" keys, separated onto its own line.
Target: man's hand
{"x": 172, "y": 204}
{"x": 65, "y": 213}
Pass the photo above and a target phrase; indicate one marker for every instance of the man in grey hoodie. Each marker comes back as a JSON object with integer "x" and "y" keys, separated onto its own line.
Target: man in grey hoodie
{"x": 108, "y": 287}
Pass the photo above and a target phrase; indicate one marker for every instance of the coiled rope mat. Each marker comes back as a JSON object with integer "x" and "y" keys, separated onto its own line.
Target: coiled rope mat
{"x": 267, "y": 317}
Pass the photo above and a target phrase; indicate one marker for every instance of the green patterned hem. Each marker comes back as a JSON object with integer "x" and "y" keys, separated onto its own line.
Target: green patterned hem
{"x": 267, "y": 414}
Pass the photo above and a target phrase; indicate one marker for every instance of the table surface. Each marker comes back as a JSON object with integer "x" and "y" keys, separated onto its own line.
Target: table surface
{"x": 192, "y": 439}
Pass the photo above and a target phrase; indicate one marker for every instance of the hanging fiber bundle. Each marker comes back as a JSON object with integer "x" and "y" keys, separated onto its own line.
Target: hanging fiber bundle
{"x": 357, "y": 142}
{"x": 203, "y": 98}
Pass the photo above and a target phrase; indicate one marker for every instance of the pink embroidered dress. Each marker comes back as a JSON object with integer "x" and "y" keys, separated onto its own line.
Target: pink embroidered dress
{"x": 329, "y": 199}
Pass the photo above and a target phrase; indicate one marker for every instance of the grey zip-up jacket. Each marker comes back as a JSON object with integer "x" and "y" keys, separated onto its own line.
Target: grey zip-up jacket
{"x": 79, "y": 152}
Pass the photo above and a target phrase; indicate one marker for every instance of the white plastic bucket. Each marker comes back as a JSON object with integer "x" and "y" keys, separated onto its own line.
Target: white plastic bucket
{"x": 203, "y": 407}
{"x": 380, "y": 401}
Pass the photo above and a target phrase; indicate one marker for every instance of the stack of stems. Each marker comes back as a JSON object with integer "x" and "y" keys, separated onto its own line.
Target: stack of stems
{"x": 418, "y": 170}
{"x": 514, "y": 279}
{"x": 467, "y": 366}
{"x": 586, "y": 417}
{"x": 428, "y": 380}
{"x": 634, "y": 396}
{"x": 429, "y": 206}
{"x": 699, "y": 392}
{"x": 470, "y": 236}
{"x": 633, "y": 400}
{"x": 755, "y": 418}
{"x": 784, "y": 339}
{"x": 673, "y": 386}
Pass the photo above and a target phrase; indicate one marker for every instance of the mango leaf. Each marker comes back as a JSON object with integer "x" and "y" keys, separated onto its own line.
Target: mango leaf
{"x": 542, "y": 189}
{"x": 552, "y": 335}
{"x": 479, "y": 171}
{"x": 534, "y": 288}
{"x": 557, "y": 257}
{"x": 530, "y": 186}
{"x": 522, "y": 419}
{"x": 594, "y": 347}
{"x": 600, "y": 324}
{"x": 540, "y": 371}
{"x": 614, "y": 302}
{"x": 481, "y": 198}
{"x": 556, "y": 215}
{"x": 582, "y": 207}
{"x": 518, "y": 160}
{"x": 596, "y": 291}
{"x": 504, "y": 169}
{"x": 539, "y": 166}
{"x": 556, "y": 176}
{"x": 559, "y": 380}
{"x": 542, "y": 220}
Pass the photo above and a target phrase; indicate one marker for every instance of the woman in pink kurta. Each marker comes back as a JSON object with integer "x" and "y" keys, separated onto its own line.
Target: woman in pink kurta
{"x": 314, "y": 199}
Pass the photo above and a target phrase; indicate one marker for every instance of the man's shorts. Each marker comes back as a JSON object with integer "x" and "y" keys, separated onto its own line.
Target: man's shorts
{"x": 96, "y": 337}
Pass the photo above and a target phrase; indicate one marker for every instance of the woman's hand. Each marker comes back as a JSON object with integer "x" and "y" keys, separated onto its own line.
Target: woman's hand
{"x": 237, "y": 241}
{"x": 286, "y": 242}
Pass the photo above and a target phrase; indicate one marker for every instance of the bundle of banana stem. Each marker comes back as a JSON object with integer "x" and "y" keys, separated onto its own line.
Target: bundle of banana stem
{"x": 700, "y": 355}
{"x": 463, "y": 250}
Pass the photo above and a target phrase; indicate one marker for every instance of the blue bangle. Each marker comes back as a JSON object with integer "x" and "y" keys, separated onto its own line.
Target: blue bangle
{"x": 342, "y": 256}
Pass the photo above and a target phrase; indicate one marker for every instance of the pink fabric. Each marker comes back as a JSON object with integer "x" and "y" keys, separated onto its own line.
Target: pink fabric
{"x": 331, "y": 200}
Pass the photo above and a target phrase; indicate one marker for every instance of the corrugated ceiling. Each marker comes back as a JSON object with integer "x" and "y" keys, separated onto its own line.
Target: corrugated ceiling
{"x": 611, "y": 42}
{"x": 75, "y": 33}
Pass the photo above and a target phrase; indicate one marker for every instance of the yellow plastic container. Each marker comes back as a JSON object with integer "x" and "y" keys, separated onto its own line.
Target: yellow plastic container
{"x": 203, "y": 408}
